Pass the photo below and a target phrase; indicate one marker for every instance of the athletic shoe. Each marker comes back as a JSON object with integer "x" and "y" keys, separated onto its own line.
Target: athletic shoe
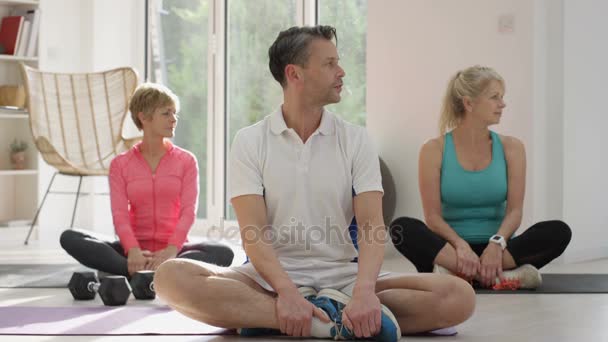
{"x": 328, "y": 298}
{"x": 523, "y": 277}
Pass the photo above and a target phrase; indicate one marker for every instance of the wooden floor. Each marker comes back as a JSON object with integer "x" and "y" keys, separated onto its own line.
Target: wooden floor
{"x": 512, "y": 318}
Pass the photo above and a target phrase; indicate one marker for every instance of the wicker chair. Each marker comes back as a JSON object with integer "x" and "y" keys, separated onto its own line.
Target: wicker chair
{"x": 77, "y": 121}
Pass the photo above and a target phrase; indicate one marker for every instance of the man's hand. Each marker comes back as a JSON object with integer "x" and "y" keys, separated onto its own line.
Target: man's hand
{"x": 491, "y": 265}
{"x": 295, "y": 314}
{"x": 137, "y": 260}
{"x": 161, "y": 256}
{"x": 362, "y": 314}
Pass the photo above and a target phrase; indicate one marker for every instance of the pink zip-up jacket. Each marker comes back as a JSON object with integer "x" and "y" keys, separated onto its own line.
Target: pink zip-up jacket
{"x": 153, "y": 210}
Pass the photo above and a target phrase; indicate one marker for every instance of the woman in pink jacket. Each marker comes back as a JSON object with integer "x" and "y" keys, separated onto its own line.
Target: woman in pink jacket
{"x": 154, "y": 193}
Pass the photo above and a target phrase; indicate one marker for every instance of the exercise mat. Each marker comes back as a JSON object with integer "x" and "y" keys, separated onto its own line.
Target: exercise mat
{"x": 100, "y": 320}
{"x": 563, "y": 283}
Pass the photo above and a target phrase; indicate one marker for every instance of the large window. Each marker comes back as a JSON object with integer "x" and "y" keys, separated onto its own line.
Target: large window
{"x": 214, "y": 55}
{"x": 252, "y": 91}
{"x": 252, "y": 27}
{"x": 349, "y": 17}
{"x": 179, "y": 40}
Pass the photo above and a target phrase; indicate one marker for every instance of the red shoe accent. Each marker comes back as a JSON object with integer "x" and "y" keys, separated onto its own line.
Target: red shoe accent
{"x": 507, "y": 284}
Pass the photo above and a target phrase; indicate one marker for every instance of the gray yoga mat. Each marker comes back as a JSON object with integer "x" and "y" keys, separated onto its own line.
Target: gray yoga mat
{"x": 564, "y": 283}
{"x": 38, "y": 275}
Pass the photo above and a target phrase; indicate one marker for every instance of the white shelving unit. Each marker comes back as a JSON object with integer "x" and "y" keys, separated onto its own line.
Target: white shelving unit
{"x": 17, "y": 58}
{"x": 18, "y": 188}
{"x": 33, "y": 3}
{"x": 8, "y": 115}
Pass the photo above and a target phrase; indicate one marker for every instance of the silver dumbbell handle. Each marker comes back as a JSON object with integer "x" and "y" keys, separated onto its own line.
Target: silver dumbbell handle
{"x": 93, "y": 286}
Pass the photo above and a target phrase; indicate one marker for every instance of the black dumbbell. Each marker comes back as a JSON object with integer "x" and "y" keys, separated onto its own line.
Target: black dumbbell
{"x": 142, "y": 283}
{"x": 113, "y": 290}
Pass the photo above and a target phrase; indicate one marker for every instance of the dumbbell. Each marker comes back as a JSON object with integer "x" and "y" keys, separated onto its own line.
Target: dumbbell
{"x": 113, "y": 290}
{"x": 142, "y": 283}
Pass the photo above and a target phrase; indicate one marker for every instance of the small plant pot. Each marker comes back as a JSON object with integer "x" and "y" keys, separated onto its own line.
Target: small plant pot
{"x": 18, "y": 160}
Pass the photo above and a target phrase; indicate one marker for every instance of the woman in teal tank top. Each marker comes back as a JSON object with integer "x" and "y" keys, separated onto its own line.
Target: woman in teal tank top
{"x": 472, "y": 183}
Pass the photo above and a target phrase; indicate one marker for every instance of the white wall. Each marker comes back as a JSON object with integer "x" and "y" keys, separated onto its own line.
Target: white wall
{"x": 92, "y": 35}
{"x": 414, "y": 47}
{"x": 65, "y": 37}
{"x": 585, "y": 54}
{"x": 121, "y": 42}
{"x": 85, "y": 36}
{"x": 549, "y": 107}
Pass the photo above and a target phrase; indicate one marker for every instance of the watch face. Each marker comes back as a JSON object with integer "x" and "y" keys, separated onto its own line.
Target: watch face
{"x": 496, "y": 238}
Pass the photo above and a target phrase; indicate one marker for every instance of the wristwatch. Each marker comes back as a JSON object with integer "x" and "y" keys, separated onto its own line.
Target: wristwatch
{"x": 499, "y": 240}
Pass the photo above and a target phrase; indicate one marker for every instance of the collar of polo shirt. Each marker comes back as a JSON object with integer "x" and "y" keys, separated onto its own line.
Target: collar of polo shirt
{"x": 278, "y": 125}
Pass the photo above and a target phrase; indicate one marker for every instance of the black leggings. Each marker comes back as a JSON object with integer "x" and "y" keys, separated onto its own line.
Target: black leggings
{"x": 537, "y": 246}
{"x": 107, "y": 255}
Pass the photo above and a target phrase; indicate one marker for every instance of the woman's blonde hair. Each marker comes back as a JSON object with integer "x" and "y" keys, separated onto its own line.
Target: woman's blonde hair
{"x": 469, "y": 82}
{"x": 148, "y": 97}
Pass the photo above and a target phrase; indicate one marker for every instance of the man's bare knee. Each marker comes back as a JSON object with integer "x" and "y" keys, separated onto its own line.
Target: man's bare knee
{"x": 175, "y": 275}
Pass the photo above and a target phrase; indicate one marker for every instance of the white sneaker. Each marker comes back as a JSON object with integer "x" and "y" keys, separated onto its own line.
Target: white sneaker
{"x": 527, "y": 277}
{"x": 307, "y": 291}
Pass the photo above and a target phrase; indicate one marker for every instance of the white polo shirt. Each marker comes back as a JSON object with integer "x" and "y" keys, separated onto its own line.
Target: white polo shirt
{"x": 308, "y": 190}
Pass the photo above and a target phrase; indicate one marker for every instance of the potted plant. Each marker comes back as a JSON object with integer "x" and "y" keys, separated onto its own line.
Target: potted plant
{"x": 18, "y": 148}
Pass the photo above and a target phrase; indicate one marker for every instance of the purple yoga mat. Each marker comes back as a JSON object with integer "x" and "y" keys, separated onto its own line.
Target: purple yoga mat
{"x": 124, "y": 320}
{"x": 91, "y": 320}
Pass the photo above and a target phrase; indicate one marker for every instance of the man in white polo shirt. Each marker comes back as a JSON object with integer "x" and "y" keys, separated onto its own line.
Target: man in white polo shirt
{"x": 296, "y": 180}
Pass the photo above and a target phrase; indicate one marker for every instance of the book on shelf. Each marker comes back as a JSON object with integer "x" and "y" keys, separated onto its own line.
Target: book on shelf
{"x": 32, "y": 43}
{"x": 22, "y": 40}
{"x": 10, "y": 28}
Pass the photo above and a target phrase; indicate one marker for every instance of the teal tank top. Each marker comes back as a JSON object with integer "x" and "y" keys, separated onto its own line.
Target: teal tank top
{"x": 473, "y": 203}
